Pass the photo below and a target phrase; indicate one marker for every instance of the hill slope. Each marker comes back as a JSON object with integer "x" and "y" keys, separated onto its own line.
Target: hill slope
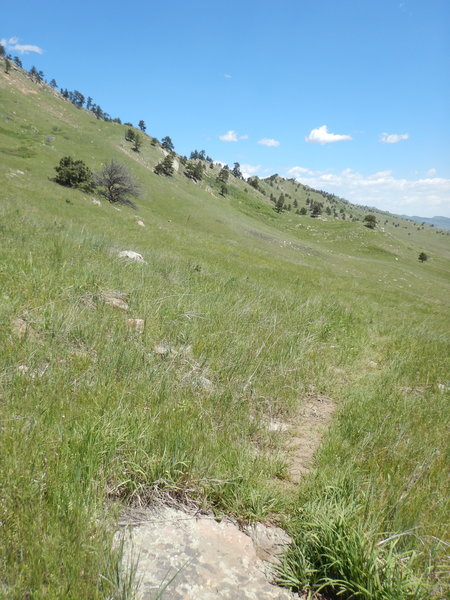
{"x": 248, "y": 315}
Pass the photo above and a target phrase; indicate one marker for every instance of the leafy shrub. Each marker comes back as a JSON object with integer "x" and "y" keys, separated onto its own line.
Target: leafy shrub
{"x": 74, "y": 173}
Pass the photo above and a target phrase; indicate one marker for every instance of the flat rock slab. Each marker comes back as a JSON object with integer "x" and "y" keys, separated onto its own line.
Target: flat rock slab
{"x": 188, "y": 557}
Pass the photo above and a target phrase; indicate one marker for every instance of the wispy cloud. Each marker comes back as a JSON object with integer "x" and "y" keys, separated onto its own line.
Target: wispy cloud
{"x": 249, "y": 170}
{"x": 228, "y": 76}
{"x": 232, "y": 136}
{"x": 431, "y": 172}
{"x": 12, "y": 44}
{"x": 321, "y": 135}
{"x": 269, "y": 142}
{"x": 426, "y": 196}
{"x": 393, "y": 138}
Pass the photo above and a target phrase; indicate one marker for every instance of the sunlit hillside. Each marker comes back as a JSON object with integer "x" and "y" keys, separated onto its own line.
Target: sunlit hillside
{"x": 123, "y": 380}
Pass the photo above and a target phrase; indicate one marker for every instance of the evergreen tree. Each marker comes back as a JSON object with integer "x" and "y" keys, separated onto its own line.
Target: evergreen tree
{"x": 142, "y": 126}
{"x": 423, "y": 257}
{"x": 129, "y": 135}
{"x": 18, "y": 61}
{"x": 137, "y": 142}
{"x": 303, "y": 210}
{"x": 53, "y": 84}
{"x": 315, "y": 208}
{"x": 165, "y": 167}
{"x": 237, "y": 170}
{"x": 223, "y": 175}
{"x": 194, "y": 170}
{"x": 2, "y": 51}
{"x": 73, "y": 173}
{"x": 7, "y": 65}
{"x": 279, "y": 205}
{"x": 89, "y": 103}
{"x": 167, "y": 144}
{"x": 223, "y": 190}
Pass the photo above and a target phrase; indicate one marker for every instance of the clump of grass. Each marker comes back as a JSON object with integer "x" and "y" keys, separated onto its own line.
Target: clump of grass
{"x": 337, "y": 552}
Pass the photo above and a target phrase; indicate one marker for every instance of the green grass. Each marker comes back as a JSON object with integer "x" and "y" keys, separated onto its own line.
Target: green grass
{"x": 254, "y": 312}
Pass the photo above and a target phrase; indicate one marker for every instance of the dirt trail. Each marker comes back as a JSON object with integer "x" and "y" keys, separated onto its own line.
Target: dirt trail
{"x": 313, "y": 421}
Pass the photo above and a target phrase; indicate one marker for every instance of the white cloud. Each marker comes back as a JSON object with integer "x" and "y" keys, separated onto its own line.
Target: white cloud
{"x": 321, "y": 135}
{"x": 393, "y": 138}
{"x": 227, "y": 76}
{"x": 425, "y": 197}
{"x": 232, "y": 136}
{"x": 269, "y": 142}
{"x": 249, "y": 170}
{"x": 431, "y": 172}
{"x": 12, "y": 44}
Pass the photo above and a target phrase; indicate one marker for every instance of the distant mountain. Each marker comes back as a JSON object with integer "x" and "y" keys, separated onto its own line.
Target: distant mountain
{"x": 441, "y": 222}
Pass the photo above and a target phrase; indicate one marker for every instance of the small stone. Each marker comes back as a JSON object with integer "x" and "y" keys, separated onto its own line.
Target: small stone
{"x": 205, "y": 383}
{"x": 161, "y": 349}
{"x": 372, "y": 364}
{"x": 115, "y": 302}
{"x": 140, "y": 223}
{"x": 136, "y": 324}
{"x": 132, "y": 255}
{"x": 274, "y": 425}
{"x": 96, "y": 202}
{"x": 21, "y": 329}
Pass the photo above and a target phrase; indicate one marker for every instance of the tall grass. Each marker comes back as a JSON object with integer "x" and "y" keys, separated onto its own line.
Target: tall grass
{"x": 245, "y": 315}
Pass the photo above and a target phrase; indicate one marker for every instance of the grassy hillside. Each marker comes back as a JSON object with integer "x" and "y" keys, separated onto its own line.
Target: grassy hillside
{"x": 248, "y": 314}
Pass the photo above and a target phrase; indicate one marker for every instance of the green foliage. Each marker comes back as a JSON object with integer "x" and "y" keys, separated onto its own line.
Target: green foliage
{"x": 237, "y": 170}
{"x": 93, "y": 418}
{"x": 130, "y": 134}
{"x": 167, "y": 144}
{"x": 73, "y": 173}
{"x": 137, "y": 145}
{"x": 165, "y": 167}
{"x": 370, "y": 221}
{"x": 338, "y": 553}
{"x": 315, "y": 208}
{"x": 194, "y": 170}
{"x": 142, "y": 126}
{"x": 423, "y": 257}
{"x": 279, "y": 204}
{"x": 7, "y": 65}
{"x": 223, "y": 175}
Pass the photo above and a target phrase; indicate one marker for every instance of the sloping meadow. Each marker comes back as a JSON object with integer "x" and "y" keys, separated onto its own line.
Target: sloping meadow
{"x": 123, "y": 381}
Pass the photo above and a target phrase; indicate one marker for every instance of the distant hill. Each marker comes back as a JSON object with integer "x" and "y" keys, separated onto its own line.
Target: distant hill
{"x": 441, "y": 222}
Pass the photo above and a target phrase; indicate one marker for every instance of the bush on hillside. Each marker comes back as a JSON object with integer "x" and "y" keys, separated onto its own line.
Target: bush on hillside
{"x": 370, "y": 221}
{"x": 165, "y": 167}
{"x": 74, "y": 173}
{"x": 117, "y": 184}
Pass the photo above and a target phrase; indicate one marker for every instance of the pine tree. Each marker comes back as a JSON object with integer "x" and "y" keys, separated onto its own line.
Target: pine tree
{"x": 137, "y": 142}
{"x": 142, "y": 126}
{"x": 129, "y": 135}
{"x": 237, "y": 170}
{"x": 165, "y": 167}
{"x": 223, "y": 175}
{"x": 167, "y": 144}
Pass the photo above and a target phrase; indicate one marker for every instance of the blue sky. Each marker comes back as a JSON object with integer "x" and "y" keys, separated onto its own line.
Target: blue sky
{"x": 352, "y": 97}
